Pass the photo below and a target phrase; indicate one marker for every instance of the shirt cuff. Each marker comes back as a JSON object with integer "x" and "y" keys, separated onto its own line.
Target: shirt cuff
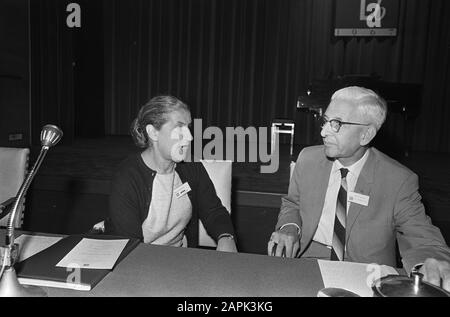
{"x": 225, "y": 235}
{"x": 291, "y": 224}
{"x": 416, "y": 268}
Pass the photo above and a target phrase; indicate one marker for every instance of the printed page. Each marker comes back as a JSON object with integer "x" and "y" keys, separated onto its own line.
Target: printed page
{"x": 355, "y": 277}
{"x": 31, "y": 244}
{"x": 94, "y": 254}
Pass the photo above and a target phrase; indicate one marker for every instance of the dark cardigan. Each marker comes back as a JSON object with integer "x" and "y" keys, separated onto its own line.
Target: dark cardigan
{"x": 131, "y": 194}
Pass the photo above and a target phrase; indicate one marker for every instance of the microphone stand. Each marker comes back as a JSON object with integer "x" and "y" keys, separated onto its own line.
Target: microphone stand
{"x": 9, "y": 284}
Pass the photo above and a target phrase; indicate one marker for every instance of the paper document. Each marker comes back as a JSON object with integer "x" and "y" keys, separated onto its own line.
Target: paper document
{"x": 30, "y": 244}
{"x": 94, "y": 254}
{"x": 355, "y": 277}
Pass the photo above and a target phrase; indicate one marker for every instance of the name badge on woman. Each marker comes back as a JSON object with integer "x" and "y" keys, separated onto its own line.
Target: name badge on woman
{"x": 182, "y": 190}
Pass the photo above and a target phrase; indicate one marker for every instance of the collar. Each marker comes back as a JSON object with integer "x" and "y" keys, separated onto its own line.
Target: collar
{"x": 355, "y": 168}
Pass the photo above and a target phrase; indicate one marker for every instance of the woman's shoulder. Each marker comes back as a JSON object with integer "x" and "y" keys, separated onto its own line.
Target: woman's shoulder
{"x": 132, "y": 165}
{"x": 129, "y": 162}
{"x": 191, "y": 170}
{"x": 190, "y": 167}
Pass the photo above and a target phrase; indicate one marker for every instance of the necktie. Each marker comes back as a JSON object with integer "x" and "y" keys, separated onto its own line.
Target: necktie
{"x": 338, "y": 244}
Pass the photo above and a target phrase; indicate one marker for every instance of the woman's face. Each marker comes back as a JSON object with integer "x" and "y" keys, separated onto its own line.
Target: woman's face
{"x": 173, "y": 139}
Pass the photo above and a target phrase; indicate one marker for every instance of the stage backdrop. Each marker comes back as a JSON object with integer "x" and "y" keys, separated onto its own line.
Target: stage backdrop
{"x": 240, "y": 62}
{"x": 14, "y": 74}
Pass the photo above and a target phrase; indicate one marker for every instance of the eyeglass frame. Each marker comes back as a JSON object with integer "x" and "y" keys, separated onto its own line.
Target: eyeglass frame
{"x": 323, "y": 120}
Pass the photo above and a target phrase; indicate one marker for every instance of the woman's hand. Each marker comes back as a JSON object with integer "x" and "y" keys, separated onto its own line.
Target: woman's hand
{"x": 226, "y": 244}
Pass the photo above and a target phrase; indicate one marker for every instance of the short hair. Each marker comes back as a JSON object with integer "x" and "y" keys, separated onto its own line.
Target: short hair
{"x": 154, "y": 112}
{"x": 370, "y": 104}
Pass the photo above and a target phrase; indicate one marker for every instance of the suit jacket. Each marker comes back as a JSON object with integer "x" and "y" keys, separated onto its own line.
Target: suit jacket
{"x": 394, "y": 213}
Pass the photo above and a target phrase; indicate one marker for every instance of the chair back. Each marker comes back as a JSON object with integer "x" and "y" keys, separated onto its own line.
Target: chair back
{"x": 13, "y": 169}
{"x": 220, "y": 174}
{"x": 291, "y": 169}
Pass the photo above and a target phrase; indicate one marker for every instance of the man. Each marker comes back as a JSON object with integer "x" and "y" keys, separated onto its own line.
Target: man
{"x": 348, "y": 201}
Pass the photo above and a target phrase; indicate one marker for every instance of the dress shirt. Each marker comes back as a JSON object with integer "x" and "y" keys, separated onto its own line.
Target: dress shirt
{"x": 324, "y": 232}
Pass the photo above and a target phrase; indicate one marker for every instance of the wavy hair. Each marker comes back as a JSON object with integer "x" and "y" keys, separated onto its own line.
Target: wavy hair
{"x": 154, "y": 112}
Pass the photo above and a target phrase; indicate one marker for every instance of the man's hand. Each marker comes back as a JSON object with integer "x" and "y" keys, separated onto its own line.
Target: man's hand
{"x": 284, "y": 242}
{"x": 434, "y": 271}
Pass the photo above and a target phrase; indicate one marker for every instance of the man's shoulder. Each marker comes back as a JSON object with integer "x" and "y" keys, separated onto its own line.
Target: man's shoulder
{"x": 312, "y": 153}
{"x": 313, "y": 149}
{"x": 392, "y": 167}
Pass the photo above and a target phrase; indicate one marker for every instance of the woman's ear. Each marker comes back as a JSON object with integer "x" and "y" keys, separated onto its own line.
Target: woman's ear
{"x": 151, "y": 132}
{"x": 368, "y": 135}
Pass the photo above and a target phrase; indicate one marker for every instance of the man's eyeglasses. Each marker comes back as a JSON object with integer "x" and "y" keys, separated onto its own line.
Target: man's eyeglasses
{"x": 336, "y": 124}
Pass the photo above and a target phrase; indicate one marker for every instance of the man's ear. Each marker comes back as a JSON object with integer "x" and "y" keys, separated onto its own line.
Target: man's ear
{"x": 368, "y": 135}
{"x": 152, "y": 132}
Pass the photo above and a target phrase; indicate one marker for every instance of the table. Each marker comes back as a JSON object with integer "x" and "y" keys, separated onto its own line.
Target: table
{"x": 151, "y": 270}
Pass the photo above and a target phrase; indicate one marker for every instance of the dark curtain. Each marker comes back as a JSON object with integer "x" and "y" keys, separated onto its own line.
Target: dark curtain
{"x": 14, "y": 73}
{"x": 236, "y": 62}
{"x": 67, "y": 69}
{"x": 433, "y": 128}
{"x": 88, "y": 43}
{"x": 244, "y": 62}
{"x": 51, "y": 69}
{"x": 52, "y": 82}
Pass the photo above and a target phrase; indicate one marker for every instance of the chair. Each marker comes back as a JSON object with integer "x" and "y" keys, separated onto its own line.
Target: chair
{"x": 13, "y": 169}
{"x": 291, "y": 169}
{"x": 282, "y": 126}
{"x": 220, "y": 174}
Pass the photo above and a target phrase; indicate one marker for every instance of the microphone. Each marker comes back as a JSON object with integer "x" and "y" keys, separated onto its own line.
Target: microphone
{"x": 50, "y": 135}
{"x": 9, "y": 285}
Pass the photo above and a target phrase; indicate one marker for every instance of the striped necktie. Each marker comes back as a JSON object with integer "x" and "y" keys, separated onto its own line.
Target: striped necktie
{"x": 338, "y": 244}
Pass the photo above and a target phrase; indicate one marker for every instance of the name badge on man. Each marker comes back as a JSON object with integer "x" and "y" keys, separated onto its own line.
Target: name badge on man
{"x": 182, "y": 190}
{"x": 359, "y": 199}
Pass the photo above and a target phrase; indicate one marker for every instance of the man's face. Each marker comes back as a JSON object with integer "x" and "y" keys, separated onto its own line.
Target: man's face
{"x": 347, "y": 143}
{"x": 174, "y": 136}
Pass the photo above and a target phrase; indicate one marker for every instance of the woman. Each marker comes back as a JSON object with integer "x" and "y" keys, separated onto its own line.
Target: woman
{"x": 158, "y": 198}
